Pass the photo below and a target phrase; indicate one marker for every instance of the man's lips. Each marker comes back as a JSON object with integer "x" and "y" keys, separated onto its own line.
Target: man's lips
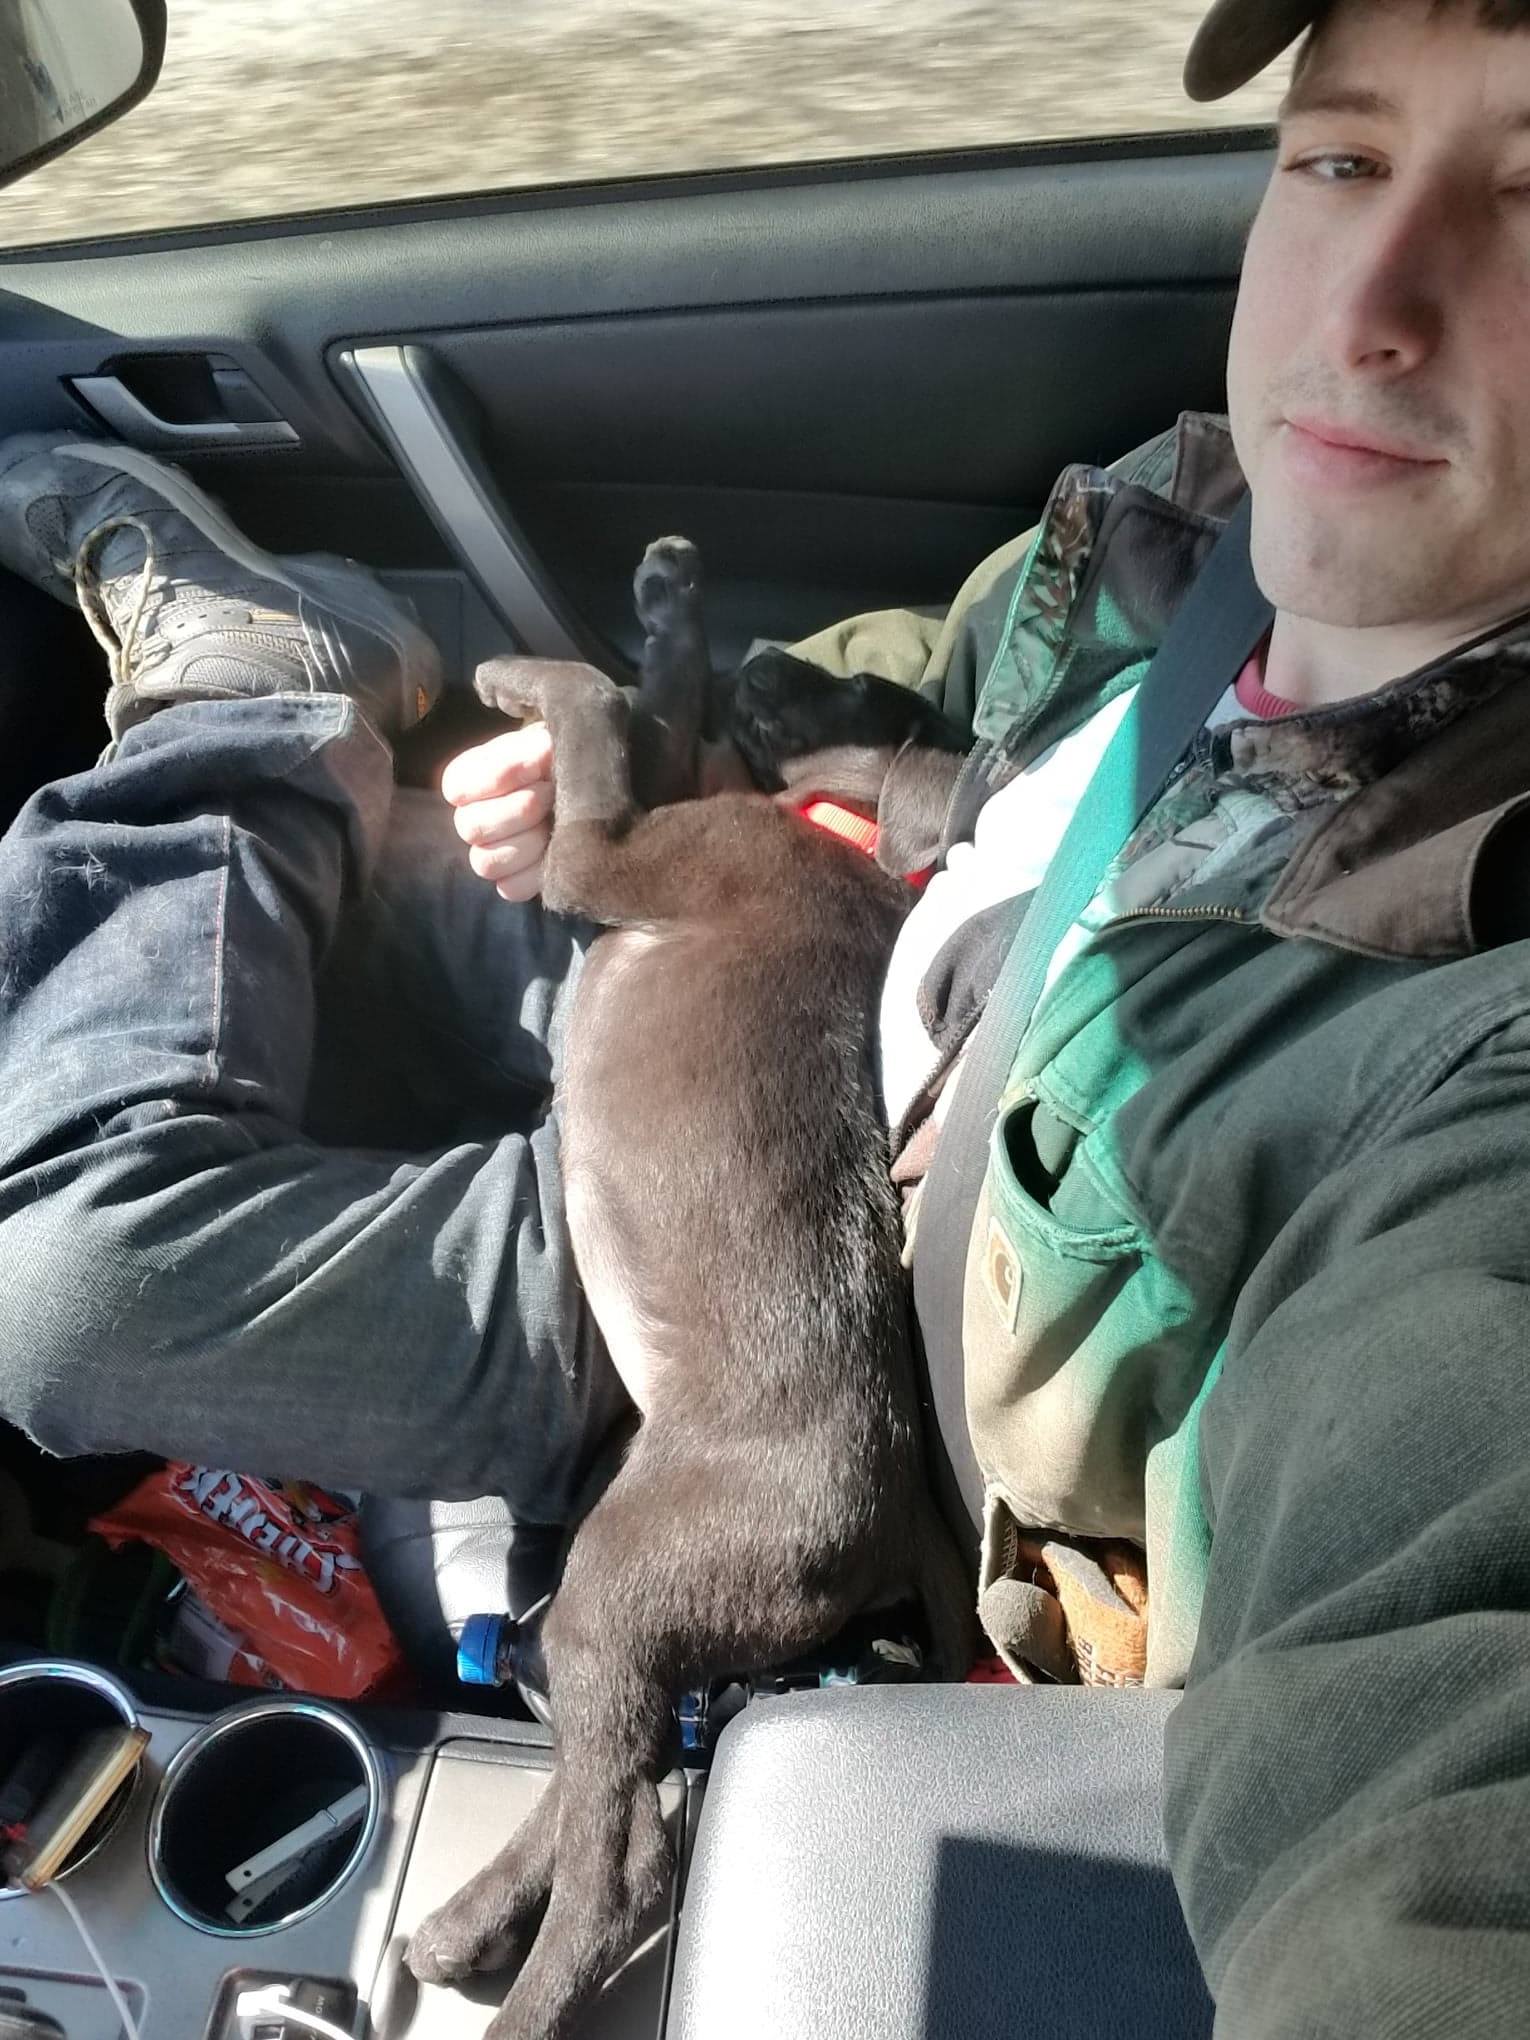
{"x": 1350, "y": 445}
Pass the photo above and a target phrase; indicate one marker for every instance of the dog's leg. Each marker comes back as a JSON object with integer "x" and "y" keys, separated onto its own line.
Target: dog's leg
{"x": 611, "y": 1639}
{"x": 608, "y": 861}
{"x": 620, "y": 1863}
{"x": 624, "y": 1634}
{"x": 586, "y": 716}
{"x": 490, "y": 1922}
{"x": 614, "y": 1857}
{"x": 615, "y": 749}
{"x": 675, "y": 675}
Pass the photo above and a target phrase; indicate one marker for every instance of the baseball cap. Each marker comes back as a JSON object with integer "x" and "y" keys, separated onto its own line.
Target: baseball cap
{"x": 1239, "y": 37}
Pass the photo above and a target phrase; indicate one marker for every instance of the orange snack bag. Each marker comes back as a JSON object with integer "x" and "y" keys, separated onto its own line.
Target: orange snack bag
{"x": 278, "y": 1562}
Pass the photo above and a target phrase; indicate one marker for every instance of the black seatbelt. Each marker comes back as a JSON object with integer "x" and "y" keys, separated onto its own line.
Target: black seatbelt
{"x": 1213, "y": 633}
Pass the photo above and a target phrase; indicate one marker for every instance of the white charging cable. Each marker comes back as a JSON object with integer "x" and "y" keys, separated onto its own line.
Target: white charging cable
{"x": 254, "y": 2010}
{"x": 271, "y": 2006}
{"x": 130, "y": 2026}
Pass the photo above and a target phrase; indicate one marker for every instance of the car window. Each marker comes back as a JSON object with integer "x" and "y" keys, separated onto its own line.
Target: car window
{"x": 280, "y": 106}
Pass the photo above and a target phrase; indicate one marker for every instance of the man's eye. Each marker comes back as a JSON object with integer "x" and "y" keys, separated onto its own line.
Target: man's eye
{"x": 1337, "y": 167}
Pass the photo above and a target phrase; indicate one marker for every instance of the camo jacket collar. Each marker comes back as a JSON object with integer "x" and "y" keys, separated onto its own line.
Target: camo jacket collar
{"x": 1426, "y": 782}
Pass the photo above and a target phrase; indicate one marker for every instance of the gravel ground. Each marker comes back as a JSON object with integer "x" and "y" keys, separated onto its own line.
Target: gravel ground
{"x": 267, "y": 106}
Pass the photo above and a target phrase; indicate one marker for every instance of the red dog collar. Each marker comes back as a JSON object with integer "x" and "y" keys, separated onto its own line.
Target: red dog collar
{"x": 851, "y": 828}
{"x": 843, "y": 822}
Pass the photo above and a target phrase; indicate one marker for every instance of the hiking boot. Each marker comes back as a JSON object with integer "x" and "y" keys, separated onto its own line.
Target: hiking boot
{"x": 186, "y": 607}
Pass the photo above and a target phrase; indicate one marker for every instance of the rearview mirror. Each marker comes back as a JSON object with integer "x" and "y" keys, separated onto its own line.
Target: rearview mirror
{"x": 67, "y": 67}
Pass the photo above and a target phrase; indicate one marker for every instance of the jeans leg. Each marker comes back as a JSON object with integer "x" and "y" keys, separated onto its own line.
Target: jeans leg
{"x": 191, "y": 1272}
{"x": 442, "y": 1009}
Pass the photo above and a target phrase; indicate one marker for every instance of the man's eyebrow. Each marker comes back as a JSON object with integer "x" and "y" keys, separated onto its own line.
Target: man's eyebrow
{"x": 1317, "y": 98}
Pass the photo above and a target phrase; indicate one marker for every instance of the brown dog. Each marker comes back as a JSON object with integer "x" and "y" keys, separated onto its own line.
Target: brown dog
{"x": 736, "y": 1232}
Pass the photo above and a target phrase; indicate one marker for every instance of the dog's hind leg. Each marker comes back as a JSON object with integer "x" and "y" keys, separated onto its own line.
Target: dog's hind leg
{"x": 628, "y": 1629}
{"x": 490, "y": 1922}
{"x": 675, "y": 677}
{"x": 614, "y": 1857}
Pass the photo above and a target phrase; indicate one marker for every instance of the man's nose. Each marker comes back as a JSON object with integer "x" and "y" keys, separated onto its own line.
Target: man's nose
{"x": 1388, "y": 299}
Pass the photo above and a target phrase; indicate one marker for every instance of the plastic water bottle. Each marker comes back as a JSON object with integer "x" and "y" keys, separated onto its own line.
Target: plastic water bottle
{"x": 503, "y": 1650}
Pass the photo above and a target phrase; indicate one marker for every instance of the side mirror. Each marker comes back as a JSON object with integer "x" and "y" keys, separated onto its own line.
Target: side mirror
{"x": 67, "y": 68}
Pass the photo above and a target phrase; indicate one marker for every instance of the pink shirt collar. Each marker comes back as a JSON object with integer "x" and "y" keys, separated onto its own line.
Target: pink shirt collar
{"x": 1253, "y": 697}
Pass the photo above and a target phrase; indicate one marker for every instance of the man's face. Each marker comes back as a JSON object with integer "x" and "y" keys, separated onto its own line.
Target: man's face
{"x": 1379, "y": 378}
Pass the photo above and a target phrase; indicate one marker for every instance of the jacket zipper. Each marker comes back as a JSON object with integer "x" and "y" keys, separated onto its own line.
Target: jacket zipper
{"x": 1179, "y": 914}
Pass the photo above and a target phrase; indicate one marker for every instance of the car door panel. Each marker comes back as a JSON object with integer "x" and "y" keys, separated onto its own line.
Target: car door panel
{"x": 846, "y": 385}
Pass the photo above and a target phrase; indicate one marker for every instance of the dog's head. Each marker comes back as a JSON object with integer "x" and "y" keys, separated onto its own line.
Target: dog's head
{"x": 866, "y": 743}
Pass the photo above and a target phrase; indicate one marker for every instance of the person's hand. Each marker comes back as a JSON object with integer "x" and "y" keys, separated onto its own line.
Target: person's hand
{"x": 502, "y": 793}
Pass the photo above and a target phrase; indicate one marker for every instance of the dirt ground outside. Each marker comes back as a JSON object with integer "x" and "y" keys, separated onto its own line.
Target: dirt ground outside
{"x": 277, "y": 106}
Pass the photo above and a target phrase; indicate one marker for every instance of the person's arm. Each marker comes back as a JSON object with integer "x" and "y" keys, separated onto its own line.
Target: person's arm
{"x": 1348, "y": 1782}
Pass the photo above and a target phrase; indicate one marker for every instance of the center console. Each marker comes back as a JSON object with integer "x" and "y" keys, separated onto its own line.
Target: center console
{"x": 283, "y": 1843}
{"x": 896, "y": 1863}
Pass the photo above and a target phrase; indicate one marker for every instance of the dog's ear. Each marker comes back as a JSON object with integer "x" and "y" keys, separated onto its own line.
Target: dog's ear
{"x": 911, "y": 808}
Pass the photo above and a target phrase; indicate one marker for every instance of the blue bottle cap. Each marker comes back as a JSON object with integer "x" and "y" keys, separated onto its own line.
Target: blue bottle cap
{"x": 478, "y": 1650}
{"x": 691, "y": 1715}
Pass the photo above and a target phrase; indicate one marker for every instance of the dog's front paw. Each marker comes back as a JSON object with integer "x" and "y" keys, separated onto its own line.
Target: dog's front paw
{"x": 516, "y": 687}
{"x": 447, "y": 1946}
{"x": 667, "y": 586}
{"x": 529, "y": 688}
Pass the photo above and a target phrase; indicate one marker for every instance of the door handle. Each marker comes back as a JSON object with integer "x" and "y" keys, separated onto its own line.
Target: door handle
{"x": 131, "y": 419}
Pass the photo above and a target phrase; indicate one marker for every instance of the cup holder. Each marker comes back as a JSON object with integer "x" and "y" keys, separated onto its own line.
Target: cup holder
{"x": 53, "y": 1698}
{"x": 262, "y": 1816}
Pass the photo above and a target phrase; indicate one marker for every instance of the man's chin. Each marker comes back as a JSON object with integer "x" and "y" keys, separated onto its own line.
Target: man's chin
{"x": 1333, "y": 574}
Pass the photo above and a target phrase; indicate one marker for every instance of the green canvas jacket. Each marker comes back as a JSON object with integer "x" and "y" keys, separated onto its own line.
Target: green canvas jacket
{"x": 1218, "y": 1033}
{"x": 1249, "y": 1284}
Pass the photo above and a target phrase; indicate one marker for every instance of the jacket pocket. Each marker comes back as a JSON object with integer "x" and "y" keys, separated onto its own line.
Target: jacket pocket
{"x": 1066, "y": 1312}
{"x": 1056, "y": 1250}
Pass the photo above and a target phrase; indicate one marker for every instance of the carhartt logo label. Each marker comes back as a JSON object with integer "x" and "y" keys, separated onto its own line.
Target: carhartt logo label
{"x": 1002, "y": 1273}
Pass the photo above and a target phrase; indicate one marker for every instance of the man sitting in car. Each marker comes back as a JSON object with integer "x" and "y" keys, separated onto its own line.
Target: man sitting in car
{"x": 1247, "y": 1290}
